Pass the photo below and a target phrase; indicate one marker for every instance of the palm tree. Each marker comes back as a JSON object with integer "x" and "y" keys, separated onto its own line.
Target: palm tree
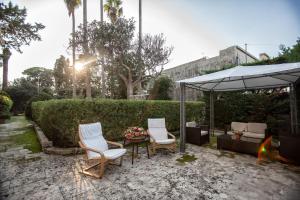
{"x": 102, "y": 68}
{"x": 140, "y": 25}
{"x": 71, "y": 6}
{"x": 140, "y": 39}
{"x": 113, "y": 9}
{"x": 86, "y": 52}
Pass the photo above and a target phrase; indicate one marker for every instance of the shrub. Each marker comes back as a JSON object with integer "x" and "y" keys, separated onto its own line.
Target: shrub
{"x": 40, "y": 97}
{"x": 59, "y": 119}
{"x": 162, "y": 88}
{"x": 5, "y": 105}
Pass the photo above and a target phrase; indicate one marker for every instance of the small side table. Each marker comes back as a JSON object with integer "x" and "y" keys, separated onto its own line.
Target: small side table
{"x": 136, "y": 143}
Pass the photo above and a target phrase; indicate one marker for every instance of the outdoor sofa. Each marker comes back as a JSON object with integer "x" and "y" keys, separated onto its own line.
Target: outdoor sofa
{"x": 251, "y": 137}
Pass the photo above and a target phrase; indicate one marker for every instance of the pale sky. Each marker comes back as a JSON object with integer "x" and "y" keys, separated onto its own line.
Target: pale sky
{"x": 195, "y": 28}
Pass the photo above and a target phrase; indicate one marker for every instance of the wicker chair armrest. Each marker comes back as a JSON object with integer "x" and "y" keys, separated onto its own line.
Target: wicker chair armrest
{"x": 90, "y": 149}
{"x": 115, "y": 143}
{"x": 171, "y": 135}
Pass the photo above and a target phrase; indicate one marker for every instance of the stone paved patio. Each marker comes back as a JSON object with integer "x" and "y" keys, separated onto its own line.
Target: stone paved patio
{"x": 214, "y": 175}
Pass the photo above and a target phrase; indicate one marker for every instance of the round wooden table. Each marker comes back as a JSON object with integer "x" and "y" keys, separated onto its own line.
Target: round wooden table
{"x": 135, "y": 142}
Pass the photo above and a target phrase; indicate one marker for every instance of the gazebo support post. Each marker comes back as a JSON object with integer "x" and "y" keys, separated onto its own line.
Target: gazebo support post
{"x": 182, "y": 117}
{"x": 212, "y": 113}
{"x": 293, "y": 110}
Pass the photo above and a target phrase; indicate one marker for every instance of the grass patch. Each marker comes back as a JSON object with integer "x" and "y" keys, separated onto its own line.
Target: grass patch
{"x": 212, "y": 142}
{"x": 28, "y": 140}
{"x": 186, "y": 158}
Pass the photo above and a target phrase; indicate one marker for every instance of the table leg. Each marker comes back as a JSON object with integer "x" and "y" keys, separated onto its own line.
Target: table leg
{"x": 137, "y": 149}
{"x": 147, "y": 150}
{"x": 132, "y": 154}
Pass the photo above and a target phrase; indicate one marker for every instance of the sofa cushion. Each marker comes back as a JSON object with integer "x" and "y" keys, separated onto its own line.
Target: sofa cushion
{"x": 230, "y": 133}
{"x": 191, "y": 124}
{"x": 254, "y": 135}
{"x": 238, "y": 126}
{"x": 257, "y": 127}
{"x": 204, "y": 133}
{"x": 249, "y": 139}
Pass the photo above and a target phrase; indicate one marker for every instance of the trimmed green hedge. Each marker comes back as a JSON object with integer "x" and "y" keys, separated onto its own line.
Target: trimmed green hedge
{"x": 59, "y": 119}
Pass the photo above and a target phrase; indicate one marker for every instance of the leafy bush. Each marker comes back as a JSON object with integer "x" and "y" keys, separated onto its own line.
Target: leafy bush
{"x": 40, "y": 97}
{"x": 162, "y": 88}
{"x": 59, "y": 119}
{"x": 5, "y": 105}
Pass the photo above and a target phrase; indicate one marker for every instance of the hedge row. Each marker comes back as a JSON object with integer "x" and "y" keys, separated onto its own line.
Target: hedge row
{"x": 59, "y": 119}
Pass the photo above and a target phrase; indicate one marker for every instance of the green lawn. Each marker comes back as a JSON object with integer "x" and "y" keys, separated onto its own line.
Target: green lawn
{"x": 28, "y": 140}
{"x": 23, "y": 135}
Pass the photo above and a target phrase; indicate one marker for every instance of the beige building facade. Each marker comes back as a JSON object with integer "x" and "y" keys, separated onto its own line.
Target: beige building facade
{"x": 231, "y": 56}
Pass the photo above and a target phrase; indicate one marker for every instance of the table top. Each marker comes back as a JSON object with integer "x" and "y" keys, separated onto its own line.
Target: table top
{"x": 137, "y": 140}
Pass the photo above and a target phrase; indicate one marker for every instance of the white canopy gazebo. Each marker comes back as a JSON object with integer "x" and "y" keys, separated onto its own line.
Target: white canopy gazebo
{"x": 243, "y": 78}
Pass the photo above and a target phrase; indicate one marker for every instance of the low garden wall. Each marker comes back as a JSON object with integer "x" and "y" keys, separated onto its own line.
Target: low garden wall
{"x": 59, "y": 119}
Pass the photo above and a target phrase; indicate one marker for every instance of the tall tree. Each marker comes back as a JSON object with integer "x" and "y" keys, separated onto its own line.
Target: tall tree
{"x": 113, "y": 9}
{"x": 140, "y": 37}
{"x": 41, "y": 77}
{"x": 88, "y": 89}
{"x": 15, "y": 32}
{"x": 63, "y": 77}
{"x": 117, "y": 43}
{"x": 71, "y": 6}
{"x": 103, "y": 86}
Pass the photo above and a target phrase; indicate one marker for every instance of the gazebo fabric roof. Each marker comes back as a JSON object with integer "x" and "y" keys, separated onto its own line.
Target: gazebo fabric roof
{"x": 247, "y": 77}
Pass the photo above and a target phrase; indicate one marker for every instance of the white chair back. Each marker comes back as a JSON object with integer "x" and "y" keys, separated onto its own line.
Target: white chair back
{"x": 91, "y": 136}
{"x": 157, "y": 129}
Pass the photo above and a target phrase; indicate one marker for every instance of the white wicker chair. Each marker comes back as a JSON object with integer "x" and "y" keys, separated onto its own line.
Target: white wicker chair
{"x": 159, "y": 135}
{"x": 96, "y": 148}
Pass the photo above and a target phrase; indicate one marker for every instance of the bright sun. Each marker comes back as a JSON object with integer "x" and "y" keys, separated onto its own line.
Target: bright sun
{"x": 79, "y": 66}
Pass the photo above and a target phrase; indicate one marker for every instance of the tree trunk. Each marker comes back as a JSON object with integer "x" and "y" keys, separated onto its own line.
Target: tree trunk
{"x": 88, "y": 74}
{"x": 103, "y": 88}
{"x": 129, "y": 90}
{"x": 140, "y": 25}
{"x": 139, "y": 86}
{"x": 5, "y": 56}
{"x": 73, "y": 52}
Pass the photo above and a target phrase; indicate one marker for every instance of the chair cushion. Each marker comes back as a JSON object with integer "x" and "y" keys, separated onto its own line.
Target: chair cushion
{"x": 158, "y": 133}
{"x": 109, "y": 154}
{"x": 91, "y": 136}
{"x": 239, "y": 126}
{"x": 254, "y": 135}
{"x": 257, "y": 127}
{"x": 204, "y": 132}
{"x": 166, "y": 141}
